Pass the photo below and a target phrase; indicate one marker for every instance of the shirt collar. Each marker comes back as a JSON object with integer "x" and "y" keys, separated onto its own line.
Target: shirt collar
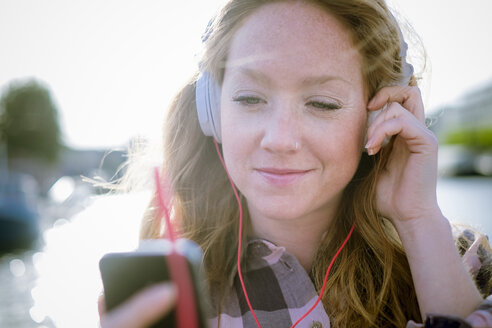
{"x": 256, "y": 248}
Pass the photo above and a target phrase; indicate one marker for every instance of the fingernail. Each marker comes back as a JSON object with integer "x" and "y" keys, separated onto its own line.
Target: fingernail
{"x": 371, "y": 103}
{"x": 370, "y": 147}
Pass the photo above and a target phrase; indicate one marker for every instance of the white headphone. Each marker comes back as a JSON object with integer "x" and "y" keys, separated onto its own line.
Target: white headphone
{"x": 207, "y": 97}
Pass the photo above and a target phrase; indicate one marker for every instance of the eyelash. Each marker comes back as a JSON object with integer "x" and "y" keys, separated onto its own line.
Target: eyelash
{"x": 247, "y": 100}
{"x": 318, "y": 105}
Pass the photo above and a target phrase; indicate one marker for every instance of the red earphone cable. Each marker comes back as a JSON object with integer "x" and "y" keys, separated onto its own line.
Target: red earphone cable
{"x": 326, "y": 276}
{"x": 240, "y": 233}
{"x": 186, "y": 309}
{"x": 239, "y": 250}
{"x": 163, "y": 200}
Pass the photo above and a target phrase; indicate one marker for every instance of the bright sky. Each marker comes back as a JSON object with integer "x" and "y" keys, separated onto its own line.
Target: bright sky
{"x": 113, "y": 65}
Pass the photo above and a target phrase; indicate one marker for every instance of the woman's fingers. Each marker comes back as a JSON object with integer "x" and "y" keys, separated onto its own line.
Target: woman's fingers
{"x": 142, "y": 309}
{"x": 101, "y": 305}
{"x": 395, "y": 120}
{"x": 409, "y": 97}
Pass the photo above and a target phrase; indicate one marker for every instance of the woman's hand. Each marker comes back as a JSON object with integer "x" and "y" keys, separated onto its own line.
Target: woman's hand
{"x": 406, "y": 194}
{"x": 407, "y": 186}
{"x": 142, "y": 310}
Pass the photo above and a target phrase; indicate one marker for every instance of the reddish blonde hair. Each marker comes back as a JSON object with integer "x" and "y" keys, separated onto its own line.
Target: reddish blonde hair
{"x": 370, "y": 284}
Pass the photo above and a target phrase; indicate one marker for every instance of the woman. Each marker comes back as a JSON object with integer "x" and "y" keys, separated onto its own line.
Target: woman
{"x": 296, "y": 82}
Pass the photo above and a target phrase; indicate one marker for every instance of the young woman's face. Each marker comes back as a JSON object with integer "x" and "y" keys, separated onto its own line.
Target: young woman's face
{"x": 293, "y": 111}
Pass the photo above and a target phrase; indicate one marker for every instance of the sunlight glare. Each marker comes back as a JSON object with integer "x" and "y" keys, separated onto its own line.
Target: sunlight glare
{"x": 17, "y": 267}
{"x": 68, "y": 266}
{"x": 62, "y": 189}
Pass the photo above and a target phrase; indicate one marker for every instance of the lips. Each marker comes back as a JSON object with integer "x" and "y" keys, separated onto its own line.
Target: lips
{"x": 281, "y": 176}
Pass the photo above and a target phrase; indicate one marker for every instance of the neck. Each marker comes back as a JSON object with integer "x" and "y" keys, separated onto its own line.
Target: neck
{"x": 300, "y": 236}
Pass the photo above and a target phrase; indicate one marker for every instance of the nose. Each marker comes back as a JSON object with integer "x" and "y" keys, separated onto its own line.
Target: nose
{"x": 282, "y": 130}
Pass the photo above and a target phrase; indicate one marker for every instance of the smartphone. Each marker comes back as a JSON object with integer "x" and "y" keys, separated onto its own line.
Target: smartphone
{"x": 126, "y": 273}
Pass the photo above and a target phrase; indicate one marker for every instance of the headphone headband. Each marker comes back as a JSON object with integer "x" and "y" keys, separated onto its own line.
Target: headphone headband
{"x": 406, "y": 67}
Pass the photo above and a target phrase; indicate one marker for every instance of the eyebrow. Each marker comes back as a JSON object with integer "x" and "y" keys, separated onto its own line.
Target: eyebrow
{"x": 309, "y": 81}
{"x": 322, "y": 79}
{"x": 256, "y": 75}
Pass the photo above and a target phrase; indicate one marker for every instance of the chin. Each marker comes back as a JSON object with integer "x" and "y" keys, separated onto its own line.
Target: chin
{"x": 280, "y": 211}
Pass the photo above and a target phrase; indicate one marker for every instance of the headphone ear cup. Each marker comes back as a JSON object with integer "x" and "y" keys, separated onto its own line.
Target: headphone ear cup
{"x": 207, "y": 98}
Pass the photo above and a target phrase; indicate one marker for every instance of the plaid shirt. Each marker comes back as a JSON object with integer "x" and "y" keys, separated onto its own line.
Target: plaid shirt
{"x": 280, "y": 290}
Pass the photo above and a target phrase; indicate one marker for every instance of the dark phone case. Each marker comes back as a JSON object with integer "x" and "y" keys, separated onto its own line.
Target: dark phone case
{"x": 124, "y": 274}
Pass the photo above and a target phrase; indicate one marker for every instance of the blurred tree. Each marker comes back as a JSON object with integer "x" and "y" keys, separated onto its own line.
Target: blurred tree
{"x": 29, "y": 124}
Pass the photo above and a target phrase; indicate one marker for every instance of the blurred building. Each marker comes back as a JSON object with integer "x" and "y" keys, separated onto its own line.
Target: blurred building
{"x": 464, "y": 131}
{"x": 473, "y": 111}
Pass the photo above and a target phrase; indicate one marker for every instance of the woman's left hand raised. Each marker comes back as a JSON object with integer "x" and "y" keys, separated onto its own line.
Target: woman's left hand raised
{"x": 406, "y": 194}
{"x": 406, "y": 190}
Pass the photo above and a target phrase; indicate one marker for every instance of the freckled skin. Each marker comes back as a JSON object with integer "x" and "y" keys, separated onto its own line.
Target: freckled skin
{"x": 285, "y": 45}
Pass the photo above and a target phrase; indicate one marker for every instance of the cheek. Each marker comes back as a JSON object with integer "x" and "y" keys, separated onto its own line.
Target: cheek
{"x": 236, "y": 147}
{"x": 343, "y": 146}
{"x": 347, "y": 134}
{"x": 358, "y": 130}
{"x": 239, "y": 136}
{"x": 232, "y": 149}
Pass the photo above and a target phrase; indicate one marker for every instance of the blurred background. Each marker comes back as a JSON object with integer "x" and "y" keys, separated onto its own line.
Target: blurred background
{"x": 82, "y": 81}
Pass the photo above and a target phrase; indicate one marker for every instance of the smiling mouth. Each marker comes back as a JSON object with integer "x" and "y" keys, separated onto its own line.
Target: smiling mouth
{"x": 281, "y": 177}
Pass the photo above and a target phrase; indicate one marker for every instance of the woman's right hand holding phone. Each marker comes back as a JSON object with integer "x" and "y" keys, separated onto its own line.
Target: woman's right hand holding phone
{"x": 142, "y": 309}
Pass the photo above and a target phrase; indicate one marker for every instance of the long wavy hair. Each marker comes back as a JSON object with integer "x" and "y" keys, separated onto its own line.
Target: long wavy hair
{"x": 370, "y": 284}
